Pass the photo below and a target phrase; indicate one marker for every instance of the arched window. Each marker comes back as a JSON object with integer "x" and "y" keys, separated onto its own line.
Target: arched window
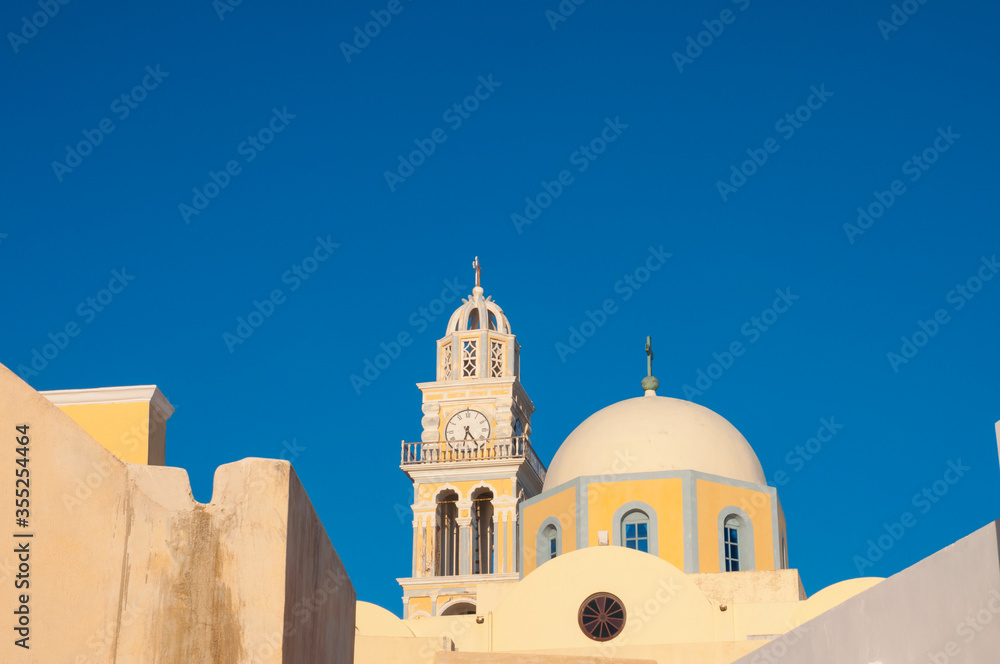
{"x": 459, "y": 609}
{"x": 551, "y": 536}
{"x": 731, "y": 540}
{"x": 635, "y": 527}
{"x": 635, "y": 531}
{"x": 483, "y": 532}
{"x": 549, "y": 542}
{"x": 446, "y": 549}
{"x": 736, "y": 551}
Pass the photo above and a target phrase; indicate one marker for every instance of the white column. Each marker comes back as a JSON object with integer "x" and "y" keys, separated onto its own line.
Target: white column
{"x": 417, "y": 528}
{"x": 430, "y": 550}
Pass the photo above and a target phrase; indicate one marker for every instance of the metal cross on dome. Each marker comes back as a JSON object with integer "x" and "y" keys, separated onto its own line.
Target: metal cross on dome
{"x": 649, "y": 356}
{"x": 475, "y": 265}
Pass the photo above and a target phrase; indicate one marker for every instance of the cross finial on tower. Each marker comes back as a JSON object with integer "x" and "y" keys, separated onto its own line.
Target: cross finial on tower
{"x": 649, "y": 383}
{"x": 475, "y": 265}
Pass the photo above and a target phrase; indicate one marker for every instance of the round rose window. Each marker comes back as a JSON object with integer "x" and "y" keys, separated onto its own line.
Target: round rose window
{"x": 602, "y": 616}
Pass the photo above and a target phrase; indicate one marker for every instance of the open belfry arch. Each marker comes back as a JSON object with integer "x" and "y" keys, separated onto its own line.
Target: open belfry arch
{"x": 473, "y": 465}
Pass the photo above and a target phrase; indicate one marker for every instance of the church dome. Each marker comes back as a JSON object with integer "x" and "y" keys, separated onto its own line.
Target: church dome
{"x": 478, "y": 313}
{"x": 652, "y": 434}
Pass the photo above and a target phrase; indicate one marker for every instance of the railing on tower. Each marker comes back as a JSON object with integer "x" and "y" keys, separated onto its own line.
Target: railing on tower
{"x": 489, "y": 449}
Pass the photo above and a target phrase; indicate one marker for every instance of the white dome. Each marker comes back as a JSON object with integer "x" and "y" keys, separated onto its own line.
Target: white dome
{"x": 650, "y": 434}
{"x": 478, "y": 313}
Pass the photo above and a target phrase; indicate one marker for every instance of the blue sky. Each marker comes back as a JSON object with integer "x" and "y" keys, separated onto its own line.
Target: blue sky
{"x": 250, "y": 144}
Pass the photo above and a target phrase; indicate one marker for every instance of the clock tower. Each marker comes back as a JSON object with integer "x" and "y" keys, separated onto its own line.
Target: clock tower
{"x": 473, "y": 465}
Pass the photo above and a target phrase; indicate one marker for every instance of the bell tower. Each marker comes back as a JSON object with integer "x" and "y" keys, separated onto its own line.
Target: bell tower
{"x": 473, "y": 465}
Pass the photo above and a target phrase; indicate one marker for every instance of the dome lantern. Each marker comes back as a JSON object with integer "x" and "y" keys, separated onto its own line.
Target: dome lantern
{"x": 478, "y": 342}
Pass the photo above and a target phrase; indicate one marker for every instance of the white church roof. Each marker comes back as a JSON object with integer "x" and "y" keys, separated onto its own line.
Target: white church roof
{"x": 650, "y": 434}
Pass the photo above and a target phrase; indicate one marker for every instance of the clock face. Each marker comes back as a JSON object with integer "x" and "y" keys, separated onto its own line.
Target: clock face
{"x": 467, "y": 424}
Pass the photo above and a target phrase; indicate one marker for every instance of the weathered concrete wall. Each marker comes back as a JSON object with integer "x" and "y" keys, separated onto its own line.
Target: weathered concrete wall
{"x": 753, "y": 586}
{"x": 944, "y": 609}
{"x": 117, "y": 563}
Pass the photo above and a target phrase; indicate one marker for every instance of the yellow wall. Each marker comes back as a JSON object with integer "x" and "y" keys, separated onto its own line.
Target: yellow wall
{"x": 562, "y": 506}
{"x": 416, "y": 604}
{"x": 783, "y": 535}
{"x": 504, "y": 487}
{"x": 123, "y": 428}
{"x": 712, "y": 499}
{"x": 663, "y": 495}
{"x": 663, "y": 604}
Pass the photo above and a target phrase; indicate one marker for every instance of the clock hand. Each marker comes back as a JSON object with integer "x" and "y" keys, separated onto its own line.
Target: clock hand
{"x": 468, "y": 434}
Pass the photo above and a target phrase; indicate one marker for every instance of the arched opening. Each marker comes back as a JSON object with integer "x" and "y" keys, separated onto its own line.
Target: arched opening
{"x": 634, "y": 527}
{"x": 548, "y": 545}
{"x": 483, "y": 532}
{"x": 493, "y": 321}
{"x": 446, "y": 551}
{"x": 635, "y": 531}
{"x": 473, "y": 320}
{"x": 731, "y": 541}
{"x": 459, "y": 609}
{"x": 736, "y": 547}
